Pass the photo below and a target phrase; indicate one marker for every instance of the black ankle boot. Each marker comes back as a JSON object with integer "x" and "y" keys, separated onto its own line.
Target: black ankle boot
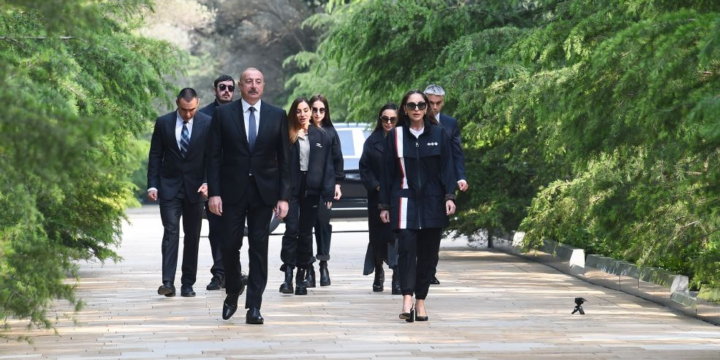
{"x": 324, "y": 274}
{"x": 310, "y": 277}
{"x": 300, "y": 284}
{"x": 287, "y": 286}
{"x": 396, "y": 283}
{"x": 379, "y": 279}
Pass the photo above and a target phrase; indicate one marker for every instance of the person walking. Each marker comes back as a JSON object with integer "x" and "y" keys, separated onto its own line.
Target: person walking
{"x": 176, "y": 176}
{"x": 248, "y": 178}
{"x": 416, "y": 197}
{"x": 313, "y": 181}
{"x": 436, "y": 96}
{"x": 323, "y": 228}
{"x": 382, "y": 246}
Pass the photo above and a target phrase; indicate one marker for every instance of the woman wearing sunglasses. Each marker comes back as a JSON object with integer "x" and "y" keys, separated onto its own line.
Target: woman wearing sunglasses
{"x": 382, "y": 246}
{"x": 323, "y": 229}
{"x": 312, "y": 179}
{"x": 416, "y": 197}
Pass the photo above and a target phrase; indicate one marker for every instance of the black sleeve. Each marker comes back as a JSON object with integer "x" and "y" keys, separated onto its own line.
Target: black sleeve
{"x": 457, "y": 154}
{"x": 366, "y": 174}
{"x": 328, "y": 193}
{"x": 447, "y": 172}
{"x": 155, "y": 157}
{"x": 388, "y": 171}
{"x": 284, "y": 158}
{"x": 337, "y": 157}
{"x": 213, "y": 151}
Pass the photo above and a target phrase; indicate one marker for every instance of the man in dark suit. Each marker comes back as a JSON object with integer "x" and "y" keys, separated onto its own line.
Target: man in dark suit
{"x": 248, "y": 177}
{"x": 176, "y": 176}
{"x": 224, "y": 90}
{"x": 436, "y": 95}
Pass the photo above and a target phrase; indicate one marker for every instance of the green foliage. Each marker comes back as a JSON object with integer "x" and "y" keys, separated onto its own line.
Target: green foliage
{"x": 78, "y": 87}
{"x": 590, "y": 122}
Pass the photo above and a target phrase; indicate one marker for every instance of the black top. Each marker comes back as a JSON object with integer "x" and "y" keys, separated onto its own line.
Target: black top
{"x": 320, "y": 178}
{"x": 337, "y": 156}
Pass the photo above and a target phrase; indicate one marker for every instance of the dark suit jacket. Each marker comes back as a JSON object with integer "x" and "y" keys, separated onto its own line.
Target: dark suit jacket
{"x": 337, "y": 156}
{"x": 167, "y": 170}
{"x": 320, "y": 178}
{"x": 209, "y": 110}
{"x": 371, "y": 163}
{"x": 230, "y": 159}
{"x": 451, "y": 128}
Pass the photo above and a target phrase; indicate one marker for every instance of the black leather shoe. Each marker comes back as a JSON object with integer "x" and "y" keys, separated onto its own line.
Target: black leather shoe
{"x": 324, "y": 274}
{"x": 310, "y": 277}
{"x": 434, "y": 281}
{"x": 300, "y": 285}
{"x": 379, "y": 279}
{"x": 253, "y": 317}
{"x": 217, "y": 283}
{"x": 230, "y": 306}
{"x": 187, "y": 291}
{"x": 287, "y": 286}
{"x": 167, "y": 289}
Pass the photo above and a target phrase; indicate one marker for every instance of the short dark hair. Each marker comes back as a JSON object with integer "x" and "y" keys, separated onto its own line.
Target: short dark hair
{"x": 187, "y": 94}
{"x": 223, "y": 78}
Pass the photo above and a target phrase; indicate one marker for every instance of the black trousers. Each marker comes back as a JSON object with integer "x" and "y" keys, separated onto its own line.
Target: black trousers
{"x": 215, "y": 237}
{"x": 323, "y": 232}
{"x": 418, "y": 251}
{"x": 297, "y": 241}
{"x": 191, "y": 213}
{"x": 258, "y": 215}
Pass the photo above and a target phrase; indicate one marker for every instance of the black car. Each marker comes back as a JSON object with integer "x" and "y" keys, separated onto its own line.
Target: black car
{"x": 353, "y": 202}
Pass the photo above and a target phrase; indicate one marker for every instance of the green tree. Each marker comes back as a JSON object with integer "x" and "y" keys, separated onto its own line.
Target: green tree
{"x": 78, "y": 87}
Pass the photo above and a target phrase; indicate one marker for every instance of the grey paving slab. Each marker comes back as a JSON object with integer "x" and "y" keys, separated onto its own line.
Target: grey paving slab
{"x": 489, "y": 306}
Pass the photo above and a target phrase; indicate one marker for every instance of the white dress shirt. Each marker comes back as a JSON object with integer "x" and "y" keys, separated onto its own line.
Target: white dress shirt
{"x": 246, "y": 116}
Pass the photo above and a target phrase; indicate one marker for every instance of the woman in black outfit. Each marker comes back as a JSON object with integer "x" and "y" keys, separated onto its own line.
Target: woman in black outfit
{"x": 323, "y": 229}
{"x": 382, "y": 245}
{"x": 417, "y": 196}
{"x": 312, "y": 179}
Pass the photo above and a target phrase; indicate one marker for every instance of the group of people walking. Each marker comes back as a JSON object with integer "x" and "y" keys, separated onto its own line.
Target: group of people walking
{"x": 247, "y": 159}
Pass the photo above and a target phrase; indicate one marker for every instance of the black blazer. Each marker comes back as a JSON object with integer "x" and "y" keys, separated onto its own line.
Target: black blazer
{"x": 371, "y": 164}
{"x": 230, "y": 159}
{"x": 320, "y": 178}
{"x": 337, "y": 156}
{"x": 451, "y": 128}
{"x": 167, "y": 170}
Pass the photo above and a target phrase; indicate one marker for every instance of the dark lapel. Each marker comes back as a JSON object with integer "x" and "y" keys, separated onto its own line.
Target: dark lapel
{"x": 170, "y": 128}
{"x": 264, "y": 121}
{"x": 197, "y": 132}
{"x": 237, "y": 117}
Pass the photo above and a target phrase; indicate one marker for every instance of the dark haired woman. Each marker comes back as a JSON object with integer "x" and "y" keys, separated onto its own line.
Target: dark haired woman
{"x": 312, "y": 179}
{"x": 382, "y": 246}
{"x": 323, "y": 229}
{"x": 416, "y": 197}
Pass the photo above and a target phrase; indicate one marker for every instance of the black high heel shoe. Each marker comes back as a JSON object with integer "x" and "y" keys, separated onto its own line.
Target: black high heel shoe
{"x": 421, "y": 318}
{"x": 408, "y": 316}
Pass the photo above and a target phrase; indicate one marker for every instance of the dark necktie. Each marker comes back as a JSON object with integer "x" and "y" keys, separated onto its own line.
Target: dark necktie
{"x": 184, "y": 140}
{"x": 253, "y": 129}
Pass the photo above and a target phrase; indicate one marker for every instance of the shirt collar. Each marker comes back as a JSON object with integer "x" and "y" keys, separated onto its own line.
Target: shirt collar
{"x": 246, "y": 106}
{"x": 180, "y": 119}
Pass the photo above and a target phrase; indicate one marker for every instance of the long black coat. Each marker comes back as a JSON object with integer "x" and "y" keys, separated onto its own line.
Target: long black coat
{"x": 167, "y": 169}
{"x": 418, "y": 178}
{"x": 320, "y": 178}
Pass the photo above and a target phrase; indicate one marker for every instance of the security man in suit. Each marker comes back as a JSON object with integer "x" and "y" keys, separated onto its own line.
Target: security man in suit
{"x": 436, "y": 95}
{"x": 248, "y": 178}
{"x": 176, "y": 176}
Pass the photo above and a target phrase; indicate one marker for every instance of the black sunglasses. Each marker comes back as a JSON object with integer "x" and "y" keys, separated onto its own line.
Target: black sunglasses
{"x": 419, "y": 106}
{"x": 222, "y": 87}
{"x": 388, "y": 119}
{"x": 319, "y": 111}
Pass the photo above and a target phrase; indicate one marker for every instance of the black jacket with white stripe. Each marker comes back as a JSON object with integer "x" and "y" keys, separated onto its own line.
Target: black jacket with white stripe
{"x": 419, "y": 177}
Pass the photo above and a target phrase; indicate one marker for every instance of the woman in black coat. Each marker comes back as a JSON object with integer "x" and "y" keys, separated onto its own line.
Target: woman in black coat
{"x": 323, "y": 229}
{"x": 417, "y": 194}
{"x": 382, "y": 246}
{"x": 312, "y": 178}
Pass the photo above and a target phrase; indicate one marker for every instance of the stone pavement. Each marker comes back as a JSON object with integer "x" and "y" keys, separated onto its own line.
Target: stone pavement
{"x": 489, "y": 306}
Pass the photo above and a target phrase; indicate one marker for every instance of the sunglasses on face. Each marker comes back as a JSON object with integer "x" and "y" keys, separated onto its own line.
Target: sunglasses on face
{"x": 318, "y": 111}
{"x": 419, "y": 106}
{"x": 229, "y": 88}
{"x": 387, "y": 119}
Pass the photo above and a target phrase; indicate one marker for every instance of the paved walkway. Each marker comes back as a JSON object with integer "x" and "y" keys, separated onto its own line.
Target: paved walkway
{"x": 489, "y": 306}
